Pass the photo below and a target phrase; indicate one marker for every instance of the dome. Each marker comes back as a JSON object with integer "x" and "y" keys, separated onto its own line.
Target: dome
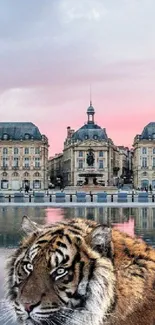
{"x": 90, "y": 132}
{"x": 149, "y": 131}
{"x": 90, "y": 109}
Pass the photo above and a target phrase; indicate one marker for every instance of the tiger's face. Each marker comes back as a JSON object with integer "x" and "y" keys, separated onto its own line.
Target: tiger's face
{"x": 58, "y": 276}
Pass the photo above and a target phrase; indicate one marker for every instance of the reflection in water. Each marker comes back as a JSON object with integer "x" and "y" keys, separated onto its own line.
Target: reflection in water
{"x": 131, "y": 220}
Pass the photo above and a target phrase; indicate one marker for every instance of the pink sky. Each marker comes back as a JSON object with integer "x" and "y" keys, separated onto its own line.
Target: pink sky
{"x": 50, "y": 52}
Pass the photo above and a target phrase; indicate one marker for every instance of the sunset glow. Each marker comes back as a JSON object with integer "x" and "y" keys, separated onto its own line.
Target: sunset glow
{"x": 52, "y": 50}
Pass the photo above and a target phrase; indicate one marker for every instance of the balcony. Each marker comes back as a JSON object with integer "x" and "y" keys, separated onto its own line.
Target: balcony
{"x": 15, "y": 167}
{"x": 5, "y": 167}
{"x": 37, "y": 167}
{"x": 26, "y": 167}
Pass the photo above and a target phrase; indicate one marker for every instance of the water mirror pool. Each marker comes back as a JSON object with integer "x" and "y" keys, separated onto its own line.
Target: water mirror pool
{"x": 134, "y": 221}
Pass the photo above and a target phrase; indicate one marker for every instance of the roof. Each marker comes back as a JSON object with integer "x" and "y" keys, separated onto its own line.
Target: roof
{"x": 90, "y": 109}
{"x": 19, "y": 131}
{"x": 90, "y": 131}
{"x": 148, "y": 131}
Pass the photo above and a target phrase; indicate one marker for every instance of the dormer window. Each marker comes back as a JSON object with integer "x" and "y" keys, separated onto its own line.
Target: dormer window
{"x": 5, "y": 136}
{"x": 95, "y": 136}
{"x": 27, "y": 136}
{"x": 86, "y": 137}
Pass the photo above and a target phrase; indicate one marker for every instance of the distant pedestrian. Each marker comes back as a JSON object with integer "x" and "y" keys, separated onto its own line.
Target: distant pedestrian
{"x": 27, "y": 188}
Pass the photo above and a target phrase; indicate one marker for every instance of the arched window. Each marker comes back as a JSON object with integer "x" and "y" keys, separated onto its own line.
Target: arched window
{"x": 5, "y": 151}
{"x": 26, "y": 174}
{"x": 5, "y": 136}
{"x": 36, "y": 174}
{"x": 15, "y": 151}
{"x": 4, "y": 174}
{"x": 27, "y": 136}
{"x": 15, "y": 174}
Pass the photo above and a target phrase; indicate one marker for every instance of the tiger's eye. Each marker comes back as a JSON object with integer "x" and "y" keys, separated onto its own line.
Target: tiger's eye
{"x": 60, "y": 271}
{"x": 29, "y": 267}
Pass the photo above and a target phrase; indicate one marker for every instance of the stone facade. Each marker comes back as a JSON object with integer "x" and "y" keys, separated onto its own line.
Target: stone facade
{"x": 144, "y": 158}
{"x": 55, "y": 167}
{"x": 73, "y": 165}
{"x": 24, "y": 157}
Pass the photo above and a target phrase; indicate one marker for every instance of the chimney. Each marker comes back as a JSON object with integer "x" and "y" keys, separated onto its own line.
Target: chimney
{"x": 68, "y": 131}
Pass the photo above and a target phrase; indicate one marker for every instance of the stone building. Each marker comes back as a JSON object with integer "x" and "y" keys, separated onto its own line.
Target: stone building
{"x": 23, "y": 156}
{"x": 88, "y": 154}
{"x": 55, "y": 167}
{"x": 144, "y": 158}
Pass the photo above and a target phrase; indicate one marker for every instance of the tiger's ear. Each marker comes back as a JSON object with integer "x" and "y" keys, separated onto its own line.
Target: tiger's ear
{"x": 101, "y": 240}
{"x": 29, "y": 226}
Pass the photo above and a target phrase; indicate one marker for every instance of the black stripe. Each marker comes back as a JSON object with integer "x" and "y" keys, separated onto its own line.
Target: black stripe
{"x": 68, "y": 238}
{"x": 91, "y": 269}
{"x": 75, "y": 232}
{"x": 56, "y": 261}
{"x": 81, "y": 271}
{"x": 62, "y": 300}
{"x": 58, "y": 232}
{"x": 66, "y": 259}
{"x": 42, "y": 241}
{"x": 60, "y": 252}
{"x": 60, "y": 244}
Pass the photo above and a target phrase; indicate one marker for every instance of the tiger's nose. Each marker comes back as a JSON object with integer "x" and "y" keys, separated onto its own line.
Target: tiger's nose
{"x": 28, "y": 307}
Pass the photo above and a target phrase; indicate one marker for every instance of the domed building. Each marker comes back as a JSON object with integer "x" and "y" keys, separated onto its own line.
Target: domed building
{"x": 24, "y": 156}
{"x": 144, "y": 158}
{"x": 89, "y": 155}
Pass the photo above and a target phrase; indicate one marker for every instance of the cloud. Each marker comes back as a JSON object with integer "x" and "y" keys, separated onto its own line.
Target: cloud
{"x": 89, "y": 10}
{"x": 51, "y": 50}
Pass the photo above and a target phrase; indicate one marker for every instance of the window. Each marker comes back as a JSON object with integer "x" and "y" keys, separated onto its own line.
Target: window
{"x": 37, "y": 151}
{"x": 144, "y": 162}
{"x": 101, "y": 153}
{"x": 37, "y": 184}
{"x": 15, "y": 174}
{"x": 37, "y": 162}
{"x": 15, "y": 162}
{"x": 80, "y": 153}
{"x": 95, "y": 136}
{"x": 36, "y": 174}
{"x": 100, "y": 164}
{"x": 27, "y": 136}
{"x": 80, "y": 164}
{"x": 5, "y": 151}
{"x": 26, "y": 162}
{"x": 4, "y": 184}
{"x": 15, "y": 151}
{"x": 5, "y": 136}
{"x": 5, "y": 162}
{"x": 153, "y": 151}
{"x": 26, "y": 174}
{"x": 153, "y": 162}
{"x": 144, "y": 151}
{"x": 26, "y": 151}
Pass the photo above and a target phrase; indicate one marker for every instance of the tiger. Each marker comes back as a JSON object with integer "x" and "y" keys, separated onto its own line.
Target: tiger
{"x": 79, "y": 272}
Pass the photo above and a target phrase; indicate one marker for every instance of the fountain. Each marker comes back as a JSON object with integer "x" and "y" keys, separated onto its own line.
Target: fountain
{"x": 90, "y": 174}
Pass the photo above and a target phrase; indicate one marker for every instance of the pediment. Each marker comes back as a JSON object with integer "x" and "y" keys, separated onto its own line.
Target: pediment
{"x": 88, "y": 144}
